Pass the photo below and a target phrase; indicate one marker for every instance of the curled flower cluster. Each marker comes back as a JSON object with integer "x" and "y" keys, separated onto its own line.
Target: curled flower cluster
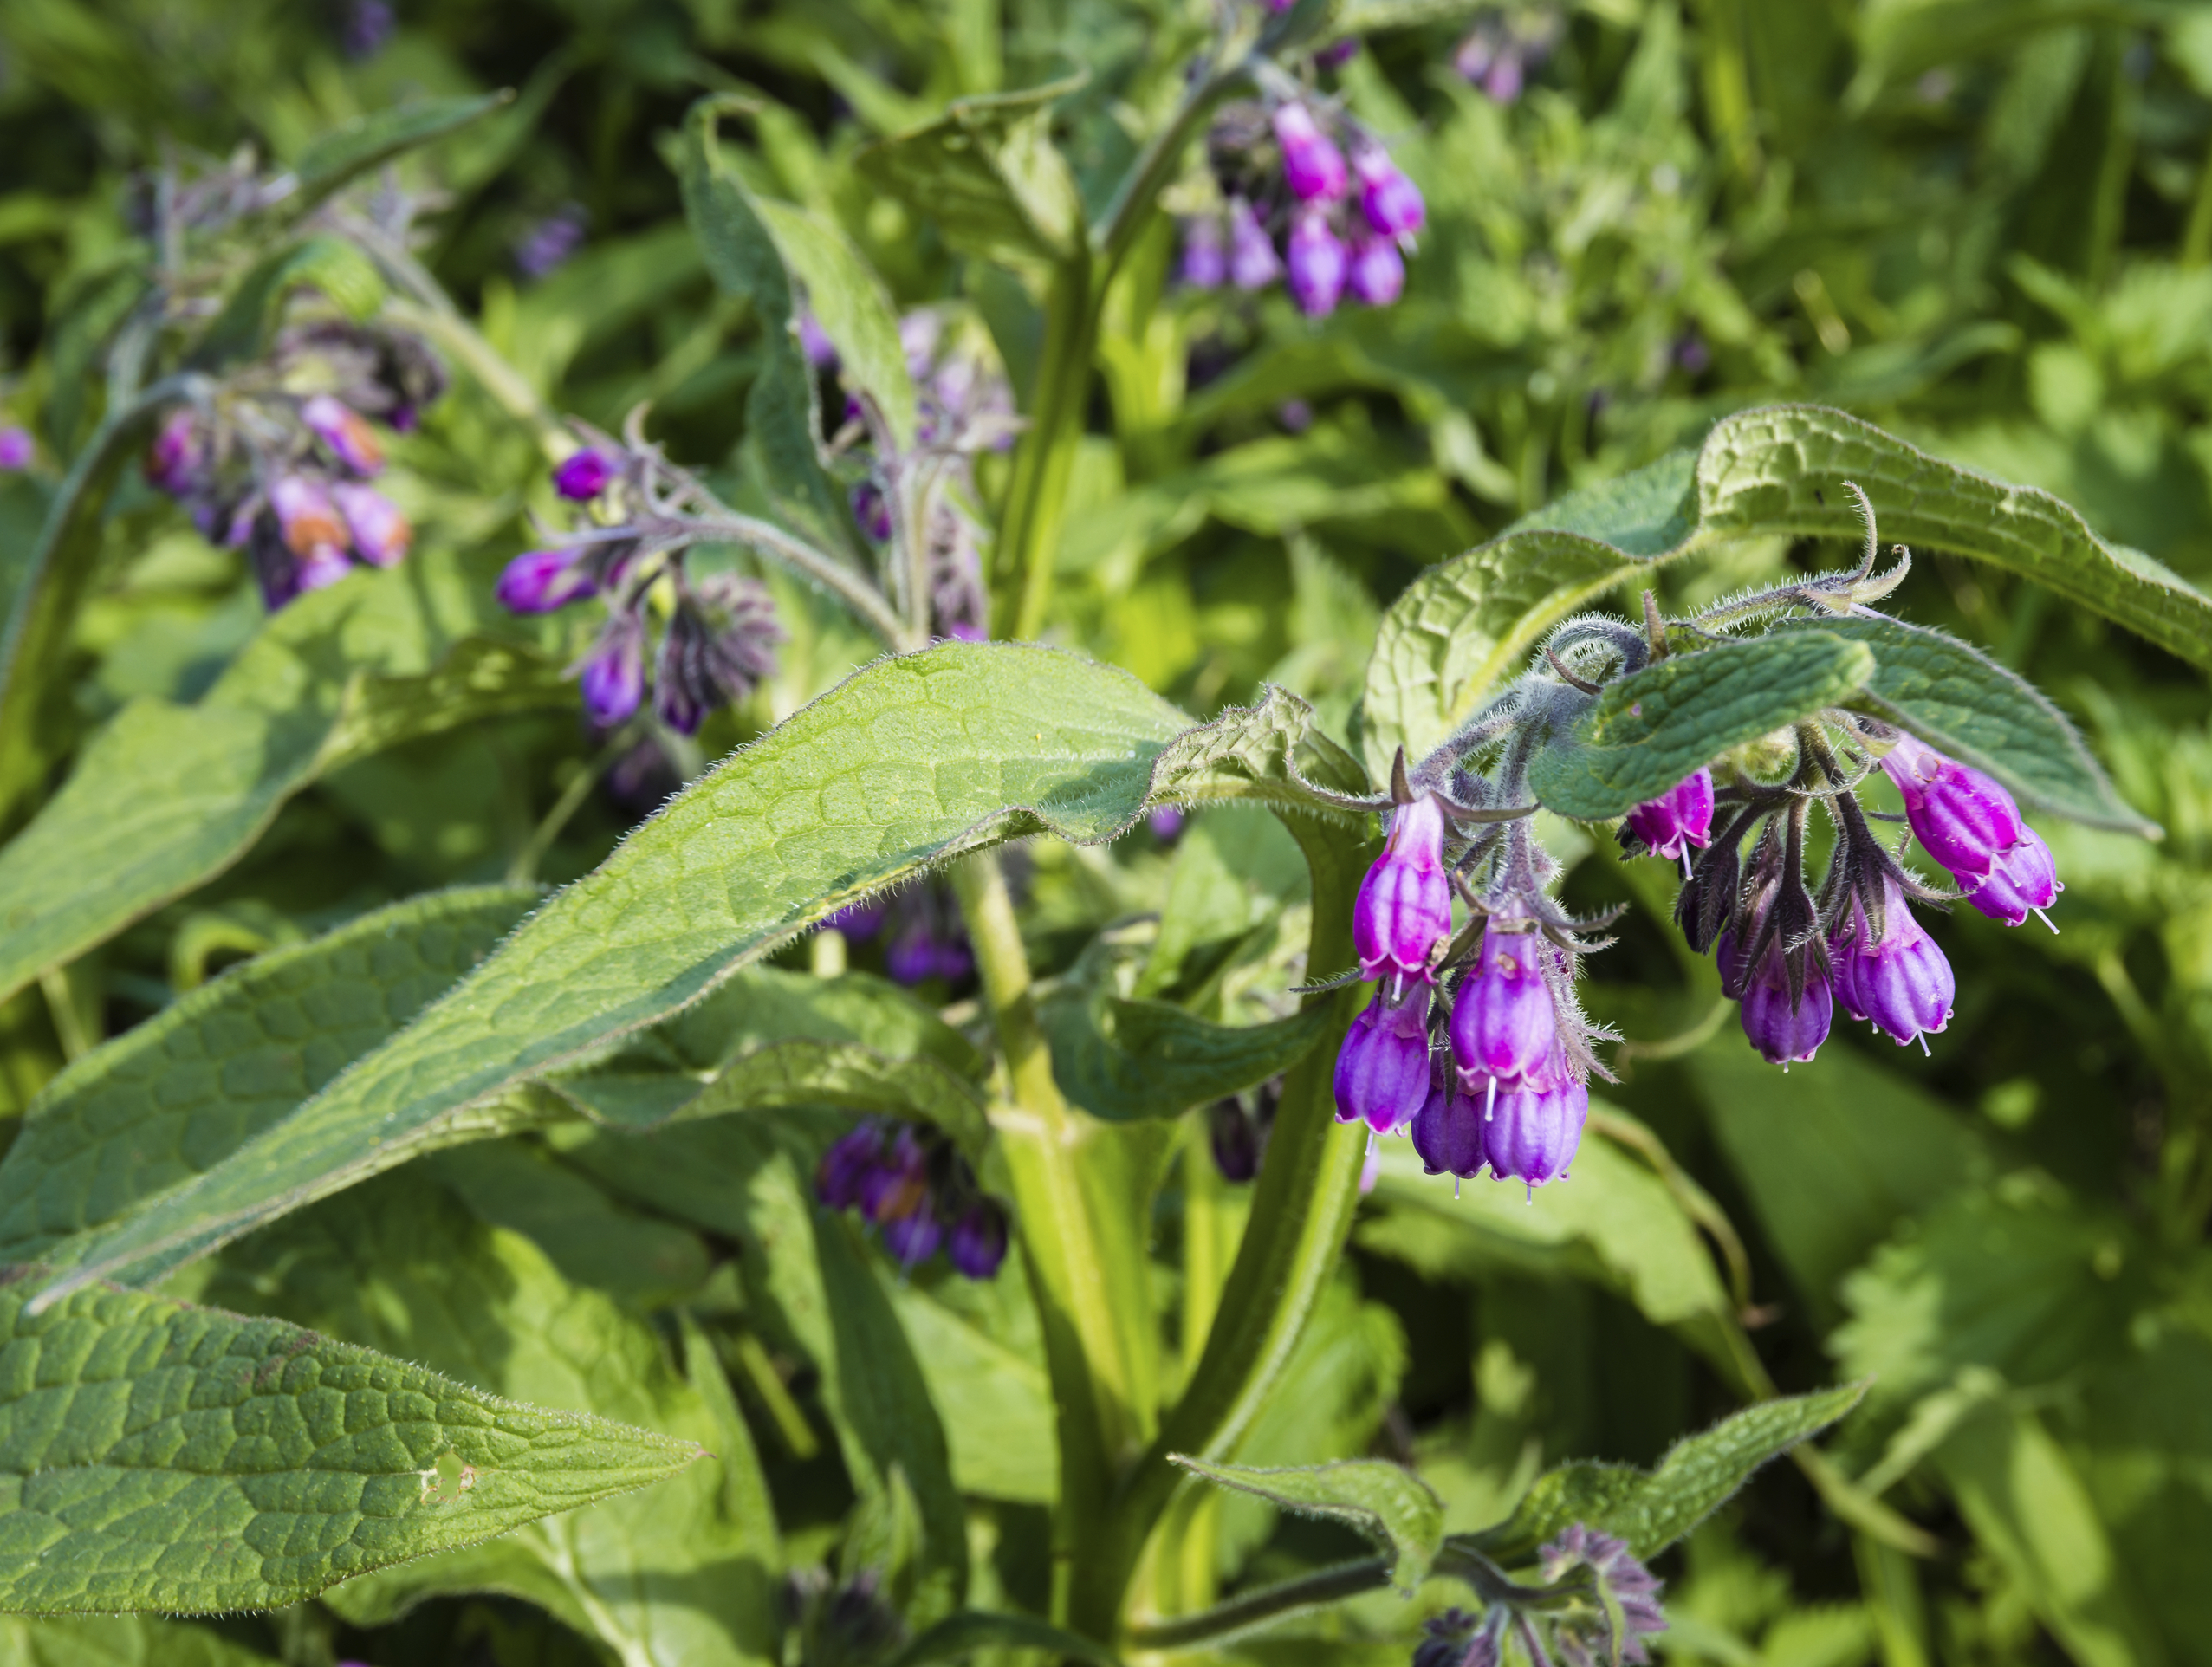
{"x": 717, "y": 632}
{"x": 1476, "y": 1045}
{"x": 284, "y": 474}
{"x": 1599, "y": 1603}
{"x": 1309, "y": 197}
{"x": 908, "y": 1181}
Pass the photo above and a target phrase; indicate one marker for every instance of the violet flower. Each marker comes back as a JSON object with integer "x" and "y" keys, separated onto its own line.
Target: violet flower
{"x": 1252, "y": 262}
{"x": 538, "y": 581}
{"x": 1378, "y": 274}
{"x": 16, "y": 447}
{"x": 1448, "y": 1129}
{"x": 381, "y": 533}
{"x": 1533, "y": 1133}
{"x": 1382, "y": 1070}
{"x": 1677, "y": 819}
{"x": 614, "y": 673}
{"x": 1404, "y": 909}
{"x": 1901, "y": 982}
{"x": 1318, "y": 264}
{"x": 2023, "y": 881}
{"x": 1205, "y": 253}
{"x": 1962, "y": 818}
{"x": 339, "y": 427}
{"x": 1391, "y": 202}
{"x": 978, "y": 1243}
{"x": 1504, "y": 1025}
{"x": 1782, "y": 1029}
{"x": 583, "y": 477}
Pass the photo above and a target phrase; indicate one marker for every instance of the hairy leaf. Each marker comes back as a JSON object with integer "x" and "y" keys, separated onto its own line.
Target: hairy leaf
{"x": 175, "y": 1096}
{"x": 1270, "y": 753}
{"x": 850, "y": 303}
{"x": 906, "y": 763}
{"x": 1650, "y": 730}
{"x": 986, "y": 175}
{"x": 1121, "y": 1059}
{"x": 163, "y": 1457}
{"x": 1387, "y": 1502}
{"x": 337, "y": 158}
{"x": 1651, "y": 1509}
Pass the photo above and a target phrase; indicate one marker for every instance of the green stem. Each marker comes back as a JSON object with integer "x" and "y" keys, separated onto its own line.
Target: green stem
{"x": 1036, "y": 499}
{"x": 1249, "y": 1609}
{"x": 525, "y": 865}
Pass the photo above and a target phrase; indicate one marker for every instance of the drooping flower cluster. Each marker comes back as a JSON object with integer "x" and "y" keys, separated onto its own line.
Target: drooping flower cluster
{"x": 1475, "y": 1045}
{"x": 1598, "y": 1603}
{"x": 276, "y": 459}
{"x": 1504, "y": 45}
{"x": 1307, "y": 196}
{"x": 908, "y": 1181}
{"x": 717, "y": 632}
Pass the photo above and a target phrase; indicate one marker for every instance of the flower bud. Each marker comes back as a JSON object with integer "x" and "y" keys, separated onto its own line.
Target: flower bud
{"x": 179, "y": 455}
{"x": 1456, "y": 1638}
{"x": 538, "y": 581}
{"x": 585, "y": 475}
{"x": 871, "y": 509}
{"x": 1628, "y": 1597}
{"x": 2024, "y": 881}
{"x": 382, "y": 534}
{"x": 1378, "y": 276}
{"x": 1312, "y": 164}
{"x": 1317, "y": 263}
{"x": 914, "y": 1237}
{"x": 1391, "y": 202}
{"x": 1404, "y": 910}
{"x": 1448, "y": 1129}
{"x": 1382, "y": 1070}
{"x": 1205, "y": 255}
{"x": 1237, "y": 1139}
{"x": 339, "y": 427}
{"x": 1962, "y": 818}
{"x": 814, "y": 342}
{"x": 838, "y": 1176}
{"x": 1503, "y": 1024}
{"x": 1783, "y": 1030}
{"x": 1901, "y": 983}
{"x": 304, "y": 511}
{"x": 978, "y": 1243}
{"x": 897, "y": 1183}
{"x": 1252, "y": 262}
{"x": 1677, "y": 819}
{"x": 15, "y": 448}
{"x": 921, "y": 952}
{"x": 614, "y": 674}
{"x": 1531, "y": 1135}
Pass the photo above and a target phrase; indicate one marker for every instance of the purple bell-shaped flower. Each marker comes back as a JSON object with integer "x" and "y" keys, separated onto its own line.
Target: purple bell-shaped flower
{"x": 339, "y": 427}
{"x": 1531, "y": 1135}
{"x": 1677, "y": 819}
{"x": 847, "y": 1165}
{"x": 1252, "y": 262}
{"x": 614, "y": 673}
{"x": 2023, "y": 881}
{"x": 1378, "y": 276}
{"x": 1902, "y": 983}
{"x": 1962, "y": 818}
{"x": 1382, "y": 1070}
{"x": 976, "y": 1244}
{"x": 1312, "y": 164}
{"x": 1404, "y": 910}
{"x": 382, "y": 534}
{"x": 1504, "y": 1027}
{"x": 1205, "y": 252}
{"x": 1317, "y": 262}
{"x": 538, "y": 581}
{"x": 1391, "y": 202}
{"x": 1784, "y": 1030}
{"x": 1448, "y": 1129}
{"x": 914, "y": 1237}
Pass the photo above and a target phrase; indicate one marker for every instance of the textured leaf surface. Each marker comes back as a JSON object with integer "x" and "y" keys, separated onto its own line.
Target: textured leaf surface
{"x": 986, "y": 175}
{"x": 168, "y": 1100}
{"x": 155, "y": 1456}
{"x": 1387, "y": 1502}
{"x": 1959, "y": 701}
{"x": 167, "y": 796}
{"x": 1653, "y": 1509}
{"x": 119, "y": 1641}
{"x": 850, "y": 303}
{"x": 1270, "y": 753}
{"x": 905, "y": 764}
{"x": 1121, "y": 1059}
{"x": 1650, "y": 730}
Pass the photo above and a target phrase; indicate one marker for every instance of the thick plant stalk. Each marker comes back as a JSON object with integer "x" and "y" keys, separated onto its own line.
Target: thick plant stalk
{"x": 1036, "y": 500}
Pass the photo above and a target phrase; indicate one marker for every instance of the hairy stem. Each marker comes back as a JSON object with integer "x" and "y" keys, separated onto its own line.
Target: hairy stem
{"x": 1249, "y": 1609}
{"x": 816, "y": 566}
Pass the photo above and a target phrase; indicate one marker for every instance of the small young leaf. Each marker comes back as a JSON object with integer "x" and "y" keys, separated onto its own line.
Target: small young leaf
{"x": 167, "y": 1457}
{"x": 1651, "y": 1509}
{"x": 1650, "y": 730}
{"x": 1122, "y": 1060}
{"x": 1963, "y": 703}
{"x": 1387, "y": 1502}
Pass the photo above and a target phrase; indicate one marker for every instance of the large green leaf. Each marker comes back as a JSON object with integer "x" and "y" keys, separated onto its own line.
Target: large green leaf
{"x": 1653, "y": 1509}
{"x": 167, "y": 1457}
{"x": 986, "y": 175}
{"x": 1650, "y": 730}
{"x": 1958, "y": 699}
{"x": 1387, "y": 1502}
{"x": 908, "y": 762}
{"x": 167, "y": 796}
{"x": 169, "y": 1100}
{"x": 1120, "y": 1059}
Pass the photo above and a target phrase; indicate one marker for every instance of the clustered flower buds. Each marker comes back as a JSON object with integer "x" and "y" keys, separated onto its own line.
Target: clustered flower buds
{"x": 1309, "y": 197}
{"x": 1596, "y": 1603}
{"x": 908, "y": 1181}
{"x": 717, "y": 632}
{"x": 283, "y": 475}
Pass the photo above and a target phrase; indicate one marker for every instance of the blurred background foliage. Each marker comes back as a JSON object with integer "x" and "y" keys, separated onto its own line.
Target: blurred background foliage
{"x": 1984, "y": 224}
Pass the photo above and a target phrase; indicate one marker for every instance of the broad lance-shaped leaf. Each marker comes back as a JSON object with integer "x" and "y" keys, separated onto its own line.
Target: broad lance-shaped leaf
{"x": 1963, "y": 703}
{"x": 1648, "y": 731}
{"x": 1464, "y": 626}
{"x": 344, "y": 154}
{"x": 171, "y": 1098}
{"x": 166, "y": 796}
{"x": 850, "y": 303}
{"x": 1121, "y": 1059}
{"x": 908, "y": 762}
{"x": 1653, "y": 1509}
{"x": 154, "y": 1456}
{"x": 1387, "y": 1502}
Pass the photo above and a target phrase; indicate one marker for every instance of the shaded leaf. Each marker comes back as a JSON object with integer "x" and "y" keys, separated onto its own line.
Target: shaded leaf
{"x": 1121, "y": 1059}
{"x": 1387, "y": 1502}
{"x": 849, "y": 302}
{"x": 986, "y": 174}
{"x": 336, "y": 159}
{"x": 958, "y": 1637}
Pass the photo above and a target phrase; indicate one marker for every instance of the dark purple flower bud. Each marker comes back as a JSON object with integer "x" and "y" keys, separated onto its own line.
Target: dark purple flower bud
{"x": 1382, "y": 1070}
{"x": 1901, "y": 983}
{"x": 175, "y": 460}
{"x": 547, "y": 244}
{"x": 897, "y": 1182}
{"x": 702, "y": 664}
{"x": 1236, "y": 1136}
{"x": 1503, "y": 1024}
{"x": 1391, "y": 202}
{"x": 1456, "y": 1638}
{"x": 2024, "y": 881}
{"x": 1166, "y": 822}
{"x": 614, "y": 673}
{"x": 1205, "y": 252}
{"x": 1677, "y": 819}
{"x": 1318, "y": 264}
{"x": 1783, "y": 1030}
{"x": 1312, "y": 164}
{"x": 871, "y": 509}
{"x": 1531, "y": 1135}
{"x": 339, "y": 427}
{"x": 323, "y": 566}
{"x": 921, "y": 952}
{"x": 846, "y": 1163}
{"x": 1378, "y": 276}
{"x": 382, "y": 534}
{"x": 978, "y": 1243}
{"x": 914, "y": 1237}
{"x": 1337, "y": 54}
{"x": 1448, "y": 1129}
{"x": 859, "y": 921}
{"x": 1404, "y": 909}
{"x": 538, "y": 581}
{"x": 1252, "y": 262}
{"x": 814, "y": 342}
{"x": 583, "y": 477}
{"x": 15, "y": 448}
{"x": 1962, "y": 818}
{"x": 1731, "y": 956}
{"x": 1628, "y": 1587}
